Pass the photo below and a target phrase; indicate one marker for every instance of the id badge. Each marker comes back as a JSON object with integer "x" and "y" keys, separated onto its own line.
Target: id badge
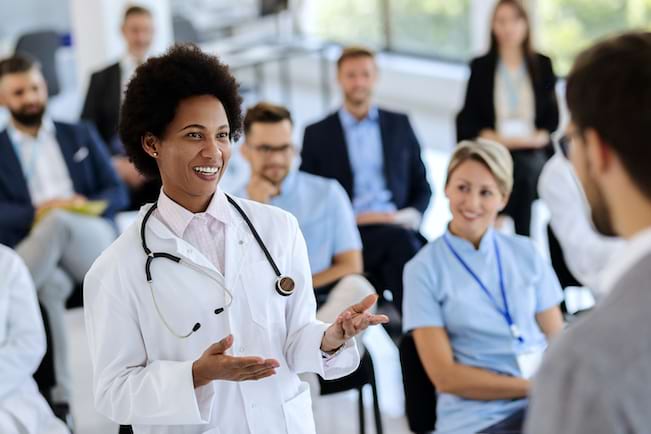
{"x": 529, "y": 362}
{"x": 514, "y": 127}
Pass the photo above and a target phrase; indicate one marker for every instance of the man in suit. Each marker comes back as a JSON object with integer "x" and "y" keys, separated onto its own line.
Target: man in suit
{"x": 47, "y": 170}
{"x": 595, "y": 379}
{"x": 375, "y": 156}
{"x": 104, "y": 96}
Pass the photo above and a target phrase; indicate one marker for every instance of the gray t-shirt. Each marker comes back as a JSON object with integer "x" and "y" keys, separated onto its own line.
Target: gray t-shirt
{"x": 597, "y": 377}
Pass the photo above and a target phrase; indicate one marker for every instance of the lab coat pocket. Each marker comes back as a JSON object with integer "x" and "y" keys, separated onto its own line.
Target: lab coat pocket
{"x": 298, "y": 412}
{"x": 259, "y": 281}
{"x": 212, "y": 431}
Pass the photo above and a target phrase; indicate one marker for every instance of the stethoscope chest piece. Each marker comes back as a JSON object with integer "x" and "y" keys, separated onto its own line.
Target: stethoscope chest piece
{"x": 285, "y": 286}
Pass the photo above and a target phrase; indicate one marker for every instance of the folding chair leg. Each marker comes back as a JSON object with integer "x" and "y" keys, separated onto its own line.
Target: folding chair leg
{"x": 362, "y": 429}
{"x": 376, "y": 407}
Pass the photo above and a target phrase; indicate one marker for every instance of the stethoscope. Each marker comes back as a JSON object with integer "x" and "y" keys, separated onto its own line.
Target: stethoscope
{"x": 284, "y": 284}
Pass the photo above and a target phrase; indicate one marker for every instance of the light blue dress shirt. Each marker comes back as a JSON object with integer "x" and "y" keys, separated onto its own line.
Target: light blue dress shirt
{"x": 439, "y": 292}
{"x": 324, "y": 215}
{"x": 366, "y": 155}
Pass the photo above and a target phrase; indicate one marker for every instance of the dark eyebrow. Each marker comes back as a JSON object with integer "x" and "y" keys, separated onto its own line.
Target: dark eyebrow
{"x": 201, "y": 127}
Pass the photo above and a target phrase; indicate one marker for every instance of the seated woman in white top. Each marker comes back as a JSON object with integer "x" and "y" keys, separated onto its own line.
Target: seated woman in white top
{"x": 22, "y": 345}
{"x": 481, "y": 305}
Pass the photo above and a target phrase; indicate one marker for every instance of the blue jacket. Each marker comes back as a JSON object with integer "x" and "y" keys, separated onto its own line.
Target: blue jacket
{"x": 325, "y": 154}
{"x": 92, "y": 176}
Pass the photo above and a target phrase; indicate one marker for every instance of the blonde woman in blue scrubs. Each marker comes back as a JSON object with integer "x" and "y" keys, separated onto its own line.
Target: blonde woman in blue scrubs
{"x": 481, "y": 305}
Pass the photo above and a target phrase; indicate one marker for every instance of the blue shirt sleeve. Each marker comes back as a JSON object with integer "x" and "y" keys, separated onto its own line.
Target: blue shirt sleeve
{"x": 345, "y": 226}
{"x": 421, "y": 305}
{"x": 548, "y": 290}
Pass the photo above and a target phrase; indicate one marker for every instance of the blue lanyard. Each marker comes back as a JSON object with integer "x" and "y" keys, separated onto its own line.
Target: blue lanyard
{"x": 515, "y": 330}
{"x": 511, "y": 86}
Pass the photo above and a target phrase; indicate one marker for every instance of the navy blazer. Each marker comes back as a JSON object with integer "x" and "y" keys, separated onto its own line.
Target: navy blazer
{"x": 325, "y": 153}
{"x": 91, "y": 172}
{"x": 102, "y": 104}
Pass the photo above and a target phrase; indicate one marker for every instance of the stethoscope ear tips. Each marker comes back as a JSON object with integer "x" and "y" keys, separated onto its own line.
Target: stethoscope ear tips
{"x": 219, "y": 310}
{"x": 196, "y": 327}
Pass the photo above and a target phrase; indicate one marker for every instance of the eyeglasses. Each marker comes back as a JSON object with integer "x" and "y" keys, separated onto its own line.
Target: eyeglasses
{"x": 268, "y": 150}
{"x": 562, "y": 144}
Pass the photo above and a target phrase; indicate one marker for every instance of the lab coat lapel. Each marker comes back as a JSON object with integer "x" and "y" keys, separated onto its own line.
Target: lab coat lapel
{"x": 238, "y": 242}
{"x": 164, "y": 240}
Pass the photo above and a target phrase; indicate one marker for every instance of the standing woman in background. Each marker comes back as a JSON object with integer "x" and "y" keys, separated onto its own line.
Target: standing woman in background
{"x": 511, "y": 99}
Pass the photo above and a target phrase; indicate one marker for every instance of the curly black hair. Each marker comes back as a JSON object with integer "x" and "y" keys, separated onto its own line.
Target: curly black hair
{"x": 160, "y": 84}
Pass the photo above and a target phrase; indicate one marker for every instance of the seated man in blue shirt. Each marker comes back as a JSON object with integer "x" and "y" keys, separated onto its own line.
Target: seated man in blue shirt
{"x": 375, "y": 156}
{"x": 320, "y": 205}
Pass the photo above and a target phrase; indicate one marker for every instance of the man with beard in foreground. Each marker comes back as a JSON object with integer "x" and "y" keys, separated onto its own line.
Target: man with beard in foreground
{"x": 52, "y": 173}
{"x": 597, "y": 378}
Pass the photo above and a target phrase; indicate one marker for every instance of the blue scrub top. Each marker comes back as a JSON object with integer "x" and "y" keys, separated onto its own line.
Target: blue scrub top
{"x": 439, "y": 292}
{"x": 324, "y": 213}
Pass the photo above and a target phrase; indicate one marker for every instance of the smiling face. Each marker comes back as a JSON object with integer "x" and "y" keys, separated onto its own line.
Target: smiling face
{"x": 475, "y": 200}
{"x": 357, "y": 77}
{"x": 269, "y": 150}
{"x": 193, "y": 152}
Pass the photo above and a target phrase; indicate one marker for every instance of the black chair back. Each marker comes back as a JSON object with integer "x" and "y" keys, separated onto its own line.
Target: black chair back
{"x": 420, "y": 394}
{"x": 42, "y": 46}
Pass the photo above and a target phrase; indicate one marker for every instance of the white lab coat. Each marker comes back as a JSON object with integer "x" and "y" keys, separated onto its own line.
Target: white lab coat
{"x": 22, "y": 344}
{"x": 143, "y": 373}
{"x": 586, "y": 251}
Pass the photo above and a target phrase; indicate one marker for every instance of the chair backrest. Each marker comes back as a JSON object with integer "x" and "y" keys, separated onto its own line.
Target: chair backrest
{"x": 184, "y": 30}
{"x": 420, "y": 394}
{"x": 362, "y": 375}
{"x": 42, "y": 46}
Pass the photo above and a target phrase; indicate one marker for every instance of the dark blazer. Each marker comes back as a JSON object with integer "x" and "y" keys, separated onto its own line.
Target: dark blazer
{"x": 102, "y": 105}
{"x": 325, "y": 153}
{"x": 478, "y": 110}
{"x": 91, "y": 172}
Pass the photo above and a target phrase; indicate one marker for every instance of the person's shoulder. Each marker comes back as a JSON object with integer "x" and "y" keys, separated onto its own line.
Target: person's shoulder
{"x": 9, "y": 260}
{"x": 427, "y": 256}
{"x": 392, "y": 114}
{"x": 320, "y": 186}
{"x": 120, "y": 254}
{"x": 106, "y": 70}
{"x": 322, "y": 123}
{"x": 518, "y": 243}
{"x": 265, "y": 214}
{"x": 484, "y": 60}
{"x": 542, "y": 58}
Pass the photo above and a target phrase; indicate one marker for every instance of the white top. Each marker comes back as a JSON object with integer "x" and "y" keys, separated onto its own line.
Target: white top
{"x": 514, "y": 102}
{"x": 42, "y": 162}
{"x": 632, "y": 251}
{"x": 205, "y": 231}
{"x": 128, "y": 65}
{"x": 146, "y": 380}
{"x": 22, "y": 345}
{"x": 586, "y": 251}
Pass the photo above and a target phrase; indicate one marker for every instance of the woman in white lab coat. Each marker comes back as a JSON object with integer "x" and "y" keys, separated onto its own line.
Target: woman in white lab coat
{"x": 211, "y": 337}
{"x": 22, "y": 345}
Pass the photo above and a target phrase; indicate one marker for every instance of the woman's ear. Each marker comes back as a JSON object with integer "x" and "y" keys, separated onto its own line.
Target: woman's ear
{"x": 150, "y": 144}
{"x": 505, "y": 201}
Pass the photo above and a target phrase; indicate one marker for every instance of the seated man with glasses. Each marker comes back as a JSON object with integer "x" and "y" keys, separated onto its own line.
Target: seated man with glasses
{"x": 320, "y": 205}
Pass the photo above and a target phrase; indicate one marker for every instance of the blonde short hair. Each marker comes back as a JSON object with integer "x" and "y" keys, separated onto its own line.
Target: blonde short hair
{"x": 493, "y": 155}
